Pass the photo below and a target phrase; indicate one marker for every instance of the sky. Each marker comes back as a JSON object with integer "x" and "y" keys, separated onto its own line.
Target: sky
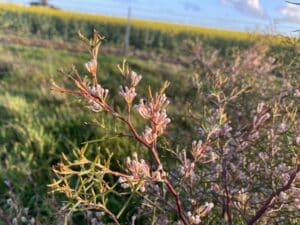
{"x": 276, "y": 16}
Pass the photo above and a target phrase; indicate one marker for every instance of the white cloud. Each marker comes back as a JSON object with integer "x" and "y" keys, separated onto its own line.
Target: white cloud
{"x": 291, "y": 13}
{"x": 251, "y": 7}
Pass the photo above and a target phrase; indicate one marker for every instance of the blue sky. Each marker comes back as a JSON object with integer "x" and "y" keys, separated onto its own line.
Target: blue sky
{"x": 244, "y": 15}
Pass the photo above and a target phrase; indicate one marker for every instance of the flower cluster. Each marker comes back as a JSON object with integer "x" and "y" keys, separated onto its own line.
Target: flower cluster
{"x": 155, "y": 112}
{"x": 197, "y": 150}
{"x": 95, "y": 218}
{"x": 22, "y": 215}
{"x": 91, "y": 67}
{"x": 262, "y": 115}
{"x": 200, "y": 212}
{"x": 128, "y": 93}
{"x": 99, "y": 92}
{"x": 187, "y": 167}
{"x": 229, "y": 164}
{"x": 139, "y": 173}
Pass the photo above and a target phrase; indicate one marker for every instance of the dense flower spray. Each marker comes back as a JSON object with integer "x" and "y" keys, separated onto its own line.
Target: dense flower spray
{"x": 216, "y": 174}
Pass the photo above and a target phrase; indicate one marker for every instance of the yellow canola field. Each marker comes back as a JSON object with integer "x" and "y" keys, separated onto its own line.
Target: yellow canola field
{"x": 155, "y": 25}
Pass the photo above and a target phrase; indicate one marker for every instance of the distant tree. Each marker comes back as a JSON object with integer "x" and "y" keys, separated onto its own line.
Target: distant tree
{"x": 44, "y": 2}
{"x": 41, "y": 2}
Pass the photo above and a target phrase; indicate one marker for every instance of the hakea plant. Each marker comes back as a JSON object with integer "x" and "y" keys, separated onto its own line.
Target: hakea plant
{"x": 153, "y": 110}
{"x": 214, "y": 173}
{"x": 254, "y": 170}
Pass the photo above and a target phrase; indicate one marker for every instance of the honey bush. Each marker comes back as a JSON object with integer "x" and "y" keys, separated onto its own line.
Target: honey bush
{"x": 242, "y": 163}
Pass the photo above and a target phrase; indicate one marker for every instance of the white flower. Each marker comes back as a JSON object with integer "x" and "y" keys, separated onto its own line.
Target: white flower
{"x": 297, "y": 93}
{"x": 32, "y": 221}
{"x": 283, "y": 197}
{"x": 91, "y": 66}
{"x": 298, "y": 140}
{"x": 135, "y": 79}
{"x": 197, "y": 149}
{"x": 260, "y": 107}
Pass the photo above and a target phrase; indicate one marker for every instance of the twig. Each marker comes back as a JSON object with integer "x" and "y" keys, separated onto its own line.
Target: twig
{"x": 269, "y": 201}
{"x": 4, "y": 218}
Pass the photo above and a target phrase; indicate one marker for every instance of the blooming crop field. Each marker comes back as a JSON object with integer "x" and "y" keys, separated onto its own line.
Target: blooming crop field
{"x": 143, "y": 24}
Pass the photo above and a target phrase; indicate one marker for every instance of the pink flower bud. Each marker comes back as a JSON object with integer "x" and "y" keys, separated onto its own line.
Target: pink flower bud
{"x": 98, "y": 91}
{"x": 149, "y": 136}
{"x": 143, "y": 109}
{"x": 197, "y": 149}
{"x": 91, "y": 67}
{"x": 135, "y": 79}
{"x": 128, "y": 94}
{"x": 298, "y": 140}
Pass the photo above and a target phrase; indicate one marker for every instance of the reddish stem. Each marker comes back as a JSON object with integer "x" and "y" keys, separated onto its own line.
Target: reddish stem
{"x": 269, "y": 201}
{"x": 227, "y": 202}
{"x": 178, "y": 202}
{"x": 3, "y": 218}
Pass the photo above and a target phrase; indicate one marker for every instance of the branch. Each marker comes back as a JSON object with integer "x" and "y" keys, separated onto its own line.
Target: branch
{"x": 269, "y": 201}
{"x": 178, "y": 202}
{"x": 157, "y": 159}
{"x": 4, "y": 218}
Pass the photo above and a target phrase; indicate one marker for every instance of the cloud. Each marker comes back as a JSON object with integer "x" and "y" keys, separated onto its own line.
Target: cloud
{"x": 290, "y": 13}
{"x": 251, "y": 7}
{"x": 191, "y": 6}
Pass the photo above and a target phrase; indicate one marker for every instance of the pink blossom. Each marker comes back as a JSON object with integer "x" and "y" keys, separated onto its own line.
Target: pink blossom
{"x": 135, "y": 79}
{"x": 298, "y": 140}
{"x": 149, "y": 136}
{"x": 197, "y": 149}
{"x": 143, "y": 109}
{"x": 259, "y": 120}
{"x": 98, "y": 91}
{"x": 128, "y": 94}
{"x": 161, "y": 121}
{"x": 297, "y": 93}
{"x": 159, "y": 103}
{"x": 91, "y": 66}
{"x": 260, "y": 107}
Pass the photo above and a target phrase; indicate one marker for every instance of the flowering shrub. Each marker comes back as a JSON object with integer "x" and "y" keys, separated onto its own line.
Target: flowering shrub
{"x": 243, "y": 168}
